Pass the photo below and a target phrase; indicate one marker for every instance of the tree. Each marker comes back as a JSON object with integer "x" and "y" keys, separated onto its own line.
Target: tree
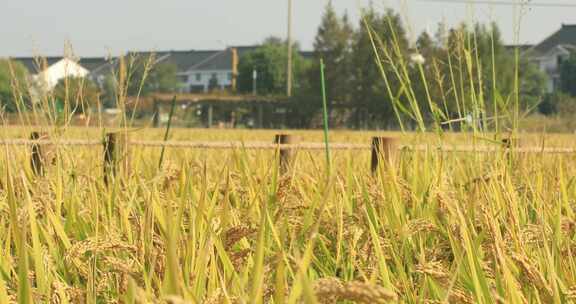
{"x": 333, "y": 44}
{"x": 532, "y": 84}
{"x": 162, "y": 78}
{"x": 270, "y": 62}
{"x": 109, "y": 92}
{"x": 370, "y": 91}
{"x": 479, "y": 73}
{"x": 558, "y": 103}
{"x": 467, "y": 70}
{"x": 148, "y": 76}
{"x": 76, "y": 95}
{"x": 13, "y": 85}
{"x": 428, "y": 85}
{"x": 213, "y": 83}
{"x": 568, "y": 75}
{"x": 425, "y": 45}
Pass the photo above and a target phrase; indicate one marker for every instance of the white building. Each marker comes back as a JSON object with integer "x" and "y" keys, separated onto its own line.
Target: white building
{"x": 215, "y": 71}
{"x": 198, "y": 71}
{"x": 552, "y": 51}
{"x": 48, "y": 71}
{"x": 48, "y": 78}
{"x": 201, "y": 71}
{"x": 205, "y": 80}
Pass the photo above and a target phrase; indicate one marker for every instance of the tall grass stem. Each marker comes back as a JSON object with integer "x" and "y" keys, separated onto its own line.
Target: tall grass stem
{"x": 166, "y": 134}
{"x": 325, "y": 114}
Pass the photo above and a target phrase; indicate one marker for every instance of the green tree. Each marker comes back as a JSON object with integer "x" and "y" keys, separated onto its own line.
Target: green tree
{"x": 369, "y": 89}
{"x": 533, "y": 81}
{"x": 270, "y": 62}
{"x": 426, "y": 70}
{"x": 479, "y": 72}
{"x": 333, "y": 44}
{"x": 13, "y": 85}
{"x": 558, "y": 103}
{"x": 467, "y": 70}
{"x": 76, "y": 95}
{"x": 213, "y": 83}
{"x": 147, "y": 76}
{"x": 162, "y": 78}
{"x": 476, "y": 74}
{"x": 109, "y": 91}
{"x": 425, "y": 45}
{"x": 568, "y": 75}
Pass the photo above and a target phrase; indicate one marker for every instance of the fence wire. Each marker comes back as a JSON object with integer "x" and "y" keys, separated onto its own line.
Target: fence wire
{"x": 274, "y": 146}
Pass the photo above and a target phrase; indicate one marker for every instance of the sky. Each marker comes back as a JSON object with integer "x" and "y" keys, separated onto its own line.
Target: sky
{"x": 112, "y": 27}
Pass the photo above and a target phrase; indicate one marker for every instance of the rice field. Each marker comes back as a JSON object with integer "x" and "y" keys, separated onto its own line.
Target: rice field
{"x": 224, "y": 226}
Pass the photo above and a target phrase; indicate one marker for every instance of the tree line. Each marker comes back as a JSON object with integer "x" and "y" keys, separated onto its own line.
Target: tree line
{"x": 376, "y": 77}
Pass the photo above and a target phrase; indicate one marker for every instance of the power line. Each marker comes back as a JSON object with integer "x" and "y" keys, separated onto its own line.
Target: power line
{"x": 502, "y": 3}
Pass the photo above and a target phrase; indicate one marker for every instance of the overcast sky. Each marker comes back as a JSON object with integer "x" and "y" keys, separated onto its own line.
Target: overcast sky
{"x": 110, "y": 27}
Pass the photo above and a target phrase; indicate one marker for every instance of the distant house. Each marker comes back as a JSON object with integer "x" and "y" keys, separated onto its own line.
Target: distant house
{"x": 552, "y": 51}
{"x": 47, "y": 72}
{"x": 201, "y": 71}
{"x": 198, "y": 71}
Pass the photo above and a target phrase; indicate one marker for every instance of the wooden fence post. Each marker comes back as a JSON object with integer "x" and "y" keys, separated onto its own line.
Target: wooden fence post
{"x": 210, "y": 116}
{"x": 40, "y": 156}
{"x": 156, "y": 117}
{"x": 383, "y": 149}
{"x": 511, "y": 145}
{"x": 116, "y": 160}
{"x": 507, "y": 143}
{"x": 286, "y": 155}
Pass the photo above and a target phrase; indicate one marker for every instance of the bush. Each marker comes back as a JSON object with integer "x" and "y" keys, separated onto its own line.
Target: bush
{"x": 558, "y": 103}
{"x": 77, "y": 95}
{"x": 13, "y": 85}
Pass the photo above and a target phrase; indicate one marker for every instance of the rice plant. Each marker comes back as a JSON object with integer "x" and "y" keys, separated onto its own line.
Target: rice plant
{"x": 214, "y": 226}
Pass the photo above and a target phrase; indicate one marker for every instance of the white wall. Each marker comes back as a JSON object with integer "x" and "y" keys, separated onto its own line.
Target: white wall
{"x": 548, "y": 64}
{"x": 205, "y": 76}
{"x": 49, "y": 78}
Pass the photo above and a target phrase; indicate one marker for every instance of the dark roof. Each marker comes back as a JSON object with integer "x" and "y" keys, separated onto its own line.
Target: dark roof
{"x": 209, "y": 60}
{"x": 219, "y": 60}
{"x": 564, "y": 36}
{"x": 245, "y": 49}
{"x": 197, "y": 59}
{"x": 521, "y": 47}
{"x": 93, "y": 63}
{"x": 308, "y": 54}
{"x": 183, "y": 60}
{"x": 36, "y": 64}
{"x": 206, "y": 60}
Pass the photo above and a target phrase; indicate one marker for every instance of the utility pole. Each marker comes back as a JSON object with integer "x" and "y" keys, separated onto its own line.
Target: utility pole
{"x": 289, "y": 42}
{"x": 254, "y": 81}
